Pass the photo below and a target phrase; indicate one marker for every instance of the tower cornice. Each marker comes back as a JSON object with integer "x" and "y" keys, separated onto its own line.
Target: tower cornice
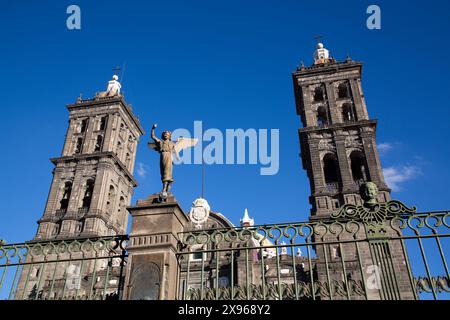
{"x": 328, "y": 68}
{"x": 99, "y": 101}
{"x": 97, "y": 155}
{"x": 339, "y": 126}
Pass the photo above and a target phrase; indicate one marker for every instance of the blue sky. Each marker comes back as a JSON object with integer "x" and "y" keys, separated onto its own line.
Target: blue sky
{"x": 229, "y": 64}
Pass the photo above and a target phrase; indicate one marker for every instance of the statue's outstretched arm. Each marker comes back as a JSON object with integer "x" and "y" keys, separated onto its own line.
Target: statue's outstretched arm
{"x": 153, "y": 134}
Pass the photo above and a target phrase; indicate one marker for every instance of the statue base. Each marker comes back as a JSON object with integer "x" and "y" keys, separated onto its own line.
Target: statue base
{"x": 164, "y": 195}
{"x": 152, "y": 264}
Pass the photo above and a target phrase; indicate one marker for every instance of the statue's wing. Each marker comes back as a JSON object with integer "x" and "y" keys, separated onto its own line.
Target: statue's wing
{"x": 184, "y": 143}
{"x": 153, "y": 146}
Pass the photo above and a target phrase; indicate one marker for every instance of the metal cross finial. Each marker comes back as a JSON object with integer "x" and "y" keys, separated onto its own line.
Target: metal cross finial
{"x": 318, "y": 38}
{"x": 348, "y": 57}
{"x": 116, "y": 70}
{"x": 122, "y": 74}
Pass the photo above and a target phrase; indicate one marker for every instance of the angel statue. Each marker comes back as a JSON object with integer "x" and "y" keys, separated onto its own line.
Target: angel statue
{"x": 166, "y": 147}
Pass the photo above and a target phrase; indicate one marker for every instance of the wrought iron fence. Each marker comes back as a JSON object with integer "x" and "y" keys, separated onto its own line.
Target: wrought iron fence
{"x": 87, "y": 269}
{"x": 388, "y": 253}
{"x": 391, "y": 253}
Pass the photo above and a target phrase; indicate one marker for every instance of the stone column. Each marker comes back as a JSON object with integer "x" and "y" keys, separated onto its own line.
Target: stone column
{"x": 53, "y": 194}
{"x": 344, "y": 168}
{"x": 77, "y": 190}
{"x": 310, "y": 115}
{"x": 373, "y": 162}
{"x": 133, "y": 156}
{"x": 318, "y": 184}
{"x": 361, "y": 112}
{"x": 332, "y": 108}
{"x": 101, "y": 185}
{"x": 152, "y": 268}
{"x": 69, "y": 137}
{"x": 107, "y": 146}
{"x": 88, "y": 136}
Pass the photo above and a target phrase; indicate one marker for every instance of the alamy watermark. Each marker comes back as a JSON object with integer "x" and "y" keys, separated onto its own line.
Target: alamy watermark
{"x": 235, "y": 146}
{"x": 73, "y": 21}
{"x": 73, "y": 274}
{"x": 374, "y": 20}
{"x": 373, "y": 281}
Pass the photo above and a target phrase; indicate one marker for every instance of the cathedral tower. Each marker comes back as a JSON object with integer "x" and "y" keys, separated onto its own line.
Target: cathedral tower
{"x": 339, "y": 154}
{"x": 93, "y": 178}
{"x": 338, "y": 146}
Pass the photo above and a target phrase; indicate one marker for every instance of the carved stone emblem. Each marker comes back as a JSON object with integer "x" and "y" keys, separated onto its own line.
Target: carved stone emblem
{"x": 326, "y": 145}
{"x": 372, "y": 212}
{"x": 353, "y": 142}
{"x": 199, "y": 212}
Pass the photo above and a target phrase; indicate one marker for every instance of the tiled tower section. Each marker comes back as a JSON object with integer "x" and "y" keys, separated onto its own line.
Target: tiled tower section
{"x": 93, "y": 178}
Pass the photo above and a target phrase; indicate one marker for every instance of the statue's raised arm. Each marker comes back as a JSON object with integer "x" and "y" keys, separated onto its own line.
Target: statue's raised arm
{"x": 153, "y": 134}
{"x": 157, "y": 143}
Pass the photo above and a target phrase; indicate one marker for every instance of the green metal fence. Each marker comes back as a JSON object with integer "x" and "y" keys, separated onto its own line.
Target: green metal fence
{"x": 399, "y": 254}
{"x": 87, "y": 269}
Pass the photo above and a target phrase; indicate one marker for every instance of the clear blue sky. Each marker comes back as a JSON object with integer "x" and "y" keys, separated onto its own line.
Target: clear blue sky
{"x": 229, "y": 64}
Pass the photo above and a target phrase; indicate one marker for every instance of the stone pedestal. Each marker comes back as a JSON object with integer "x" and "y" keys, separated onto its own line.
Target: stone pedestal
{"x": 152, "y": 264}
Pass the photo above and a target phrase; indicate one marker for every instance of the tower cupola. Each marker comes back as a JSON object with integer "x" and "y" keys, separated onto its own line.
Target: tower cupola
{"x": 321, "y": 55}
{"x": 246, "y": 221}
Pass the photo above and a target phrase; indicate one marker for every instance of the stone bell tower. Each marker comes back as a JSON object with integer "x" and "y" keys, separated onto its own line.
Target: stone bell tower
{"x": 338, "y": 145}
{"x": 339, "y": 154}
{"x": 93, "y": 178}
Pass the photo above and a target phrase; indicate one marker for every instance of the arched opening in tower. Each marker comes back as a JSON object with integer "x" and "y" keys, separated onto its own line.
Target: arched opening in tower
{"x": 109, "y": 202}
{"x": 348, "y": 114}
{"x": 83, "y": 126}
{"x": 121, "y": 212}
{"x": 67, "y": 190}
{"x": 119, "y": 148}
{"x": 102, "y": 125}
{"x": 343, "y": 90}
{"x": 79, "y": 145}
{"x": 98, "y": 143}
{"x": 322, "y": 116}
{"x": 319, "y": 94}
{"x": 89, "y": 188}
{"x": 331, "y": 169}
{"x": 359, "y": 166}
{"x": 127, "y": 160}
